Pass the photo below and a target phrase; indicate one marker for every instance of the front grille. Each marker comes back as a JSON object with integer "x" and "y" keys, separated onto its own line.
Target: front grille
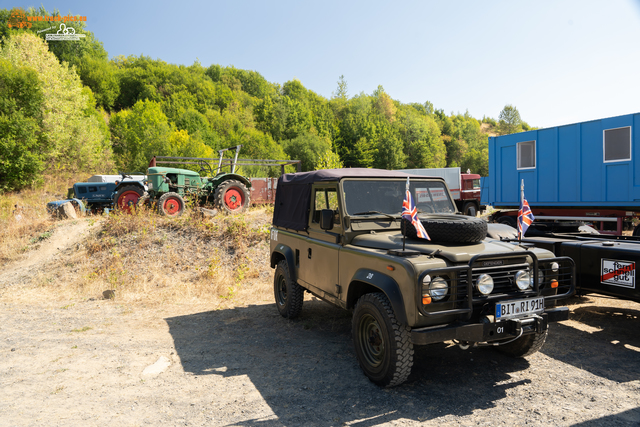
{"x": 502, "y": 271}
{"x": 503, "y": 278}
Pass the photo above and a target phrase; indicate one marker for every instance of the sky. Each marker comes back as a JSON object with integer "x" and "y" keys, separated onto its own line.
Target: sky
{"x": 558, "y": 62}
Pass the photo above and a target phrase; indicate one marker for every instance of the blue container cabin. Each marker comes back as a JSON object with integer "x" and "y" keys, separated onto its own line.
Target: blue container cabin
{"x": 589, "y": 167}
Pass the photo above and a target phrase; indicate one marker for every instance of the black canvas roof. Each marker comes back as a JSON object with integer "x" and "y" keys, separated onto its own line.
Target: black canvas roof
{"x": 293, "y": 194}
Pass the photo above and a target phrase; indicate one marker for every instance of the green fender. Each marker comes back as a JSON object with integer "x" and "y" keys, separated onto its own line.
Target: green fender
{"x": 387, "y": 285}
{"x": 219, "y": 179}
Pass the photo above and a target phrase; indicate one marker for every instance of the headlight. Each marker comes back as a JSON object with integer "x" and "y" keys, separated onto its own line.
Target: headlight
{"x": 438, "y": 288}
{"x": 523, "y": 280}
{"x": 555, "y": 267}
{"x": 484, "y": 284}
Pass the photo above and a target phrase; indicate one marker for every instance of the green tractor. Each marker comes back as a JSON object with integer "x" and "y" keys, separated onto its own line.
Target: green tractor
{"x": 228, "y": 191}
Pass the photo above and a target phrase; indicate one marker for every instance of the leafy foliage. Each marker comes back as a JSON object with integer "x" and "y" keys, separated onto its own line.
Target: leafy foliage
{"x": 156, "y": 108}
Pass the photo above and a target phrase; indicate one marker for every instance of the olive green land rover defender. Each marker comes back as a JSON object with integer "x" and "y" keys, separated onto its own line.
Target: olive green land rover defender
{"x": 339, "y": 235}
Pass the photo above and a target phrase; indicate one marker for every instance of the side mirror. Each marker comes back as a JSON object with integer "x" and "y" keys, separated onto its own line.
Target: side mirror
{"x": 326, "y": 219}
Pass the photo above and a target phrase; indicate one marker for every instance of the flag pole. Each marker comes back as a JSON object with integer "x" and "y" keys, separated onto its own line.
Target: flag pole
{"x": 520, "y": 213}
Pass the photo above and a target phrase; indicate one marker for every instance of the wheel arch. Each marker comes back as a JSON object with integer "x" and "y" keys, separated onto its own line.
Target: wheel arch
{"x": 283, "y": 252}
{"x": 367, "y": 281}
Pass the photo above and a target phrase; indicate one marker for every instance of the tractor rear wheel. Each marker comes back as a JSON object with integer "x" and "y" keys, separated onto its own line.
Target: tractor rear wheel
{"x": 171, "y": 204}
{"x": 232, "y": 196}
{"x": 127, "y": 198}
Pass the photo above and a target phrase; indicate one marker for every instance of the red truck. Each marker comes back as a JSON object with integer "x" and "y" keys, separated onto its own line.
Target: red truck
{"x": 464, "y": 187}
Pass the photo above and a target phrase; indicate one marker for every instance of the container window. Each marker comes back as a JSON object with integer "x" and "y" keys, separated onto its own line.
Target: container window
{"x": 526, "y": 155}
{"x": 617, "y": 144}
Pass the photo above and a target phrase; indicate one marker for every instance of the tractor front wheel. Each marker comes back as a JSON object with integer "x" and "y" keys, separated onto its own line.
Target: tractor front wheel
{"x": 232, "y": 196}
{"x": 171, "y": 204}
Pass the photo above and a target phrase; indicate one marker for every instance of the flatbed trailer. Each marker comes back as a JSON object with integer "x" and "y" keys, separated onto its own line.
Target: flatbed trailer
{"x": 604, "y": 264}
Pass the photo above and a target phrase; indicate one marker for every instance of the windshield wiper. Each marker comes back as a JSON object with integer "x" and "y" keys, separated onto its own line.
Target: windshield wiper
{"x": 375, "y": 212}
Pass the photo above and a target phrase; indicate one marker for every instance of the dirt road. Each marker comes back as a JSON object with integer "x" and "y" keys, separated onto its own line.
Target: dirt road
{"x": 84, "y": 365}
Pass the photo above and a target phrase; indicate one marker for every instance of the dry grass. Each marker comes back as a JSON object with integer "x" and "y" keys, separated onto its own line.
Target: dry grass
{"x": 24, "y": 220}
{"x": 144, "y": 258}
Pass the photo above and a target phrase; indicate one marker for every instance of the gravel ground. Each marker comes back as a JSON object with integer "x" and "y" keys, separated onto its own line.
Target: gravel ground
{"x": 84, "y": 364}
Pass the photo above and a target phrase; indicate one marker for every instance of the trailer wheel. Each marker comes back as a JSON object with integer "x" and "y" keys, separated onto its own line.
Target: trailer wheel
{"x": 127, "y": 197}
{"x": 171, "y": 204}
{"x": 450, "y": 229}
{"x": 508, "y": 220}
{"x": 232, "y": 196}
{"x": 470, "y": 209}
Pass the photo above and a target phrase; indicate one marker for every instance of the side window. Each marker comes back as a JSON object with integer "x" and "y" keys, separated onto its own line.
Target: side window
{"x": 325, "y": 198}
{"x": 526, "y": 155}
{"x": 617, "y": 144}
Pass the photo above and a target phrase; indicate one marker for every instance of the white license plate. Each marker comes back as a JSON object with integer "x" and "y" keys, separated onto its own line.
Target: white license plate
{"x": 519, "y": 308}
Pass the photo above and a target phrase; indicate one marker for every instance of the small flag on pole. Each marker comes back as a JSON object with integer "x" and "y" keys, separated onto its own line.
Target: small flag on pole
{"x": 410, "y": 213}
{"x": 525, "y": 216}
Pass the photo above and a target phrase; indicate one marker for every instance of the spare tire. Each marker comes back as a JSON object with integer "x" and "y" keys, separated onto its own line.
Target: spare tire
{"x": 450, "y": 229}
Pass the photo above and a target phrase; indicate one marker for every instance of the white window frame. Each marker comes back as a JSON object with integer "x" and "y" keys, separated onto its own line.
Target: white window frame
{"x": 604, "y": 145}
{"x": 535, "y": 154}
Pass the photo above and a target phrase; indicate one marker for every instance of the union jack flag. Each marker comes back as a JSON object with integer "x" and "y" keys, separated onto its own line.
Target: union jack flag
{"x": 525, "y": 217}
{"x": 410, "y": 213}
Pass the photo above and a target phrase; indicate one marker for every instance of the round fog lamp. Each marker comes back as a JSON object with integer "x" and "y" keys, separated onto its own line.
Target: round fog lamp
{"x": 555, "y": 267}
{"x": 438, "y": 288}
{"x": 523, "y": 280}
{"x": 484, "y": 284}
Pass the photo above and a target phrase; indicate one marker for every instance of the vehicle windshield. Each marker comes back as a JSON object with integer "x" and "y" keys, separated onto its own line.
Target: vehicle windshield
{"x": 370, "y": 197}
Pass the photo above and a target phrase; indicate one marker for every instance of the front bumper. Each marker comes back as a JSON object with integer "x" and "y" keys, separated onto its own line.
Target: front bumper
{"x": 487, "y": 332}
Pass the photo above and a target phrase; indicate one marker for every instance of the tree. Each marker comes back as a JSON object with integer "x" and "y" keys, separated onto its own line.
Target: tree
{"x": 329, "y": 160}
{"x": 76, "y": 135}
{"x": 342, "y": 90}
{"x": 308, "y": 148}
{"x": 510, "y": 121}
{"x": 21, "y": 142}
{"x": 139, "y": 134}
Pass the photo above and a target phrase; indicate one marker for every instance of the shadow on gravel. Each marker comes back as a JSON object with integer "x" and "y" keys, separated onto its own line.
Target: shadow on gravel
{"x": 609, "y": 345}
{"x": 626, "y": 418}
{"x": 306, "y": 370}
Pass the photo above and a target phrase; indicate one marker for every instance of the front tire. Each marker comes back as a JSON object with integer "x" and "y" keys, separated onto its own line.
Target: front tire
{"x": 289, "y": 295}
{"x": 524, "y": 346}
{"x": 171, "y": 204}
{"x": 383, "y": 345}
{"x": 470, "y": 209}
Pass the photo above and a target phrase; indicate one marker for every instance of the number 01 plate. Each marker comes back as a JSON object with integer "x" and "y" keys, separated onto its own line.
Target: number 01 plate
{"x": 519, "y": 308}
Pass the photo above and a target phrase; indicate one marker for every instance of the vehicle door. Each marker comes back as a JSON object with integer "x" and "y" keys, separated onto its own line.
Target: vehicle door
{"x": 319, "y": 260}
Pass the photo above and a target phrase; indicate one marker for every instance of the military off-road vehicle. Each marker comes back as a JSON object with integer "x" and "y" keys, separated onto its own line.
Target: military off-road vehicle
{"x": 339, "y": 235}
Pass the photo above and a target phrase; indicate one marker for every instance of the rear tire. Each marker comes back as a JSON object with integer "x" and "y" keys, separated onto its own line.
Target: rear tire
{"x": 171, "y": 204}
{"x": 289, "y": 295}
{"x": 127, "y": 198}
{"x": 232, "y": 196}
{"x": 383, "y": 345}
{"x": 524, "y": 346}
